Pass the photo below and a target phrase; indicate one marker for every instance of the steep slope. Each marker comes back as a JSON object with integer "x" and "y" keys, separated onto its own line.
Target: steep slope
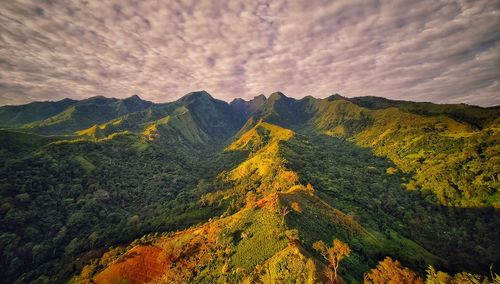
{"x": 453, "y": 160}
{"x": 86, "y": 113}
{"x": 15, "y": 116}
{"x": 284, "y": 111}
{"x": 215, "y": 117}
{"x": 353, "y": 180}
{"x": 16, "y": 144}
{"x": 248, "y": 108}
{"x": 77, "y": 196}
{"x": 196, "y": 118}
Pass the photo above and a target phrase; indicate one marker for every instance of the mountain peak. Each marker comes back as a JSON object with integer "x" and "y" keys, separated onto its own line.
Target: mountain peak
{"x": 250, "y": 107}
{"x": 134, "y": 97}
{"x": 335, "y": 96}
{"x": 237, "y": 101}
{"x": 198, "y": 94}
{"x": 277, "y": 95}
{"x": 260, "y": 97}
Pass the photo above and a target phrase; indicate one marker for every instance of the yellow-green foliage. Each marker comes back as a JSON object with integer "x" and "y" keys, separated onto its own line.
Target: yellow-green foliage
{"x": 151, "y": 131}
{"x": 338, "y": 118}
{"x": 262, "y": 134}
{"x": 290, "y": 265}
{"x": 263, "y": 172}
{"x": 95, "y": 131}
{"x": 439, "y": 277}
{"x": 252, "y": 243}
{"x": 268, "y": 235}
{"x": 263, "y": 140}
{"x": 257, "y": 237}
{"x": 455, "y": 162}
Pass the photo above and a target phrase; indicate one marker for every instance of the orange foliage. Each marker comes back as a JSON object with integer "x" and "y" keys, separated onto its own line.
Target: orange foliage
{"x": 310, "y": 188}
{"x": 140, "y": 265}
{"x": 392, "y": 272}
{"x": 290, "y": 177}
{"x": 296, "y": 207}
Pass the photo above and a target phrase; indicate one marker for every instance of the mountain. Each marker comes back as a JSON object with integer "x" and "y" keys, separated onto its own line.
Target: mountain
{"x": 476, "y": 116}
{"x": 66, "y": 117}
{"x": 203, "y": 191}
{"x": 197, "y": 118}
{"x": 434, "y": 148}
{"x": 12, "y": 116}
{"x": 248, "y": 108}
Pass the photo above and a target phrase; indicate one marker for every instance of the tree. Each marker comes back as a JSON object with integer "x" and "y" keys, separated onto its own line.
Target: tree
{"x": 333, "y": 255}
{"x": 392, "y": 272}
{"x": 283, "y": 212}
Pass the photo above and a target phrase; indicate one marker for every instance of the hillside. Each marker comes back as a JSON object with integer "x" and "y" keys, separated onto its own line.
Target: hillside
{"x": 254, "y": 240}
{"x": 203, "y": 191}
{"x": 83, "y": 114}
{"x": 13, "y": 116}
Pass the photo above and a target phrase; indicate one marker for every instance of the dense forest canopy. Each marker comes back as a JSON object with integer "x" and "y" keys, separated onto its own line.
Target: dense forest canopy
{"x": 261, "y": 190}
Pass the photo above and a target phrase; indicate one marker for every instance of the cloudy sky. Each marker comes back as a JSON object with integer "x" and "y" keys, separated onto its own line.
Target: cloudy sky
{"x": 439, "y": 51}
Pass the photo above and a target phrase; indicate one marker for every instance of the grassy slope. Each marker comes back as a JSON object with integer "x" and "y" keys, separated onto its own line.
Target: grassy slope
{"x": 476, "y": 116}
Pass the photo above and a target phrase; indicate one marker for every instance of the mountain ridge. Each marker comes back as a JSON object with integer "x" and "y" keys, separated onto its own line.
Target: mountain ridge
{"x": 238, "y": 103}
{"x": 384, "y": 180}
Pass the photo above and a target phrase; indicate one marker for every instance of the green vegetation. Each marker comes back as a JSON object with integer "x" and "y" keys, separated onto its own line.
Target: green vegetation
{"x": 249, "y": 191}
{"x": 454, "y": 160}
{"x": 14, "y": 116}
{"x": 353, "y": 180}
{"x": 258, "y": 238}
{"x": 77, "y": 196}
{"x": 83, "y": 114}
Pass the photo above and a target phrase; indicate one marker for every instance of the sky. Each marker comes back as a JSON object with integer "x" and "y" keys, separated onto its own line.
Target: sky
{"x": 426, "y": 50}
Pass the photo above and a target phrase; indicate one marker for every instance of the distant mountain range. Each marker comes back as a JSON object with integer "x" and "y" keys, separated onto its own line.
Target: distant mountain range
{"x": 258, "y": 181}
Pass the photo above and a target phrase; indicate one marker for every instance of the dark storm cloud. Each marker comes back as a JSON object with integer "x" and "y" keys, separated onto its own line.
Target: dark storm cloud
{"x": 441, "y": 51}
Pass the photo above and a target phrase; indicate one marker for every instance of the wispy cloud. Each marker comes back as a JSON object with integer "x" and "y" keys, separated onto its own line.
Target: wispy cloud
{"x": 441, "y": 51}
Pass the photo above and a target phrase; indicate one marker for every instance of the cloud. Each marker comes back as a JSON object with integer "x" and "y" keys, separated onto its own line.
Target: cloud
{"x": 445, "y": 52}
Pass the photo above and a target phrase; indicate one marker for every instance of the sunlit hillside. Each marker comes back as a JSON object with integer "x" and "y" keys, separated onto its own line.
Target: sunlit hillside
{"x": 271, "y": 190}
